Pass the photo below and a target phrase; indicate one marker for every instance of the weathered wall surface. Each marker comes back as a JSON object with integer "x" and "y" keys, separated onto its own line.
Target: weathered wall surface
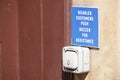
{"x": 104, "y": 64}
{"x": 118, "y": 41}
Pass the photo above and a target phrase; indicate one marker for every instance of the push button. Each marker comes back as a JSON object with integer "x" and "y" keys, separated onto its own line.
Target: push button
{"x": 70, "y": 60}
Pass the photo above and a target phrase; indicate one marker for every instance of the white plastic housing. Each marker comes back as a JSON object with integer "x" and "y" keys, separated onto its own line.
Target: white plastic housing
{"x": 75, "y": 59}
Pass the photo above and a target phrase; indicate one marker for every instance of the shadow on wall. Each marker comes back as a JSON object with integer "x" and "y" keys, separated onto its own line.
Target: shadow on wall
{"x": 80, "y": 76}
